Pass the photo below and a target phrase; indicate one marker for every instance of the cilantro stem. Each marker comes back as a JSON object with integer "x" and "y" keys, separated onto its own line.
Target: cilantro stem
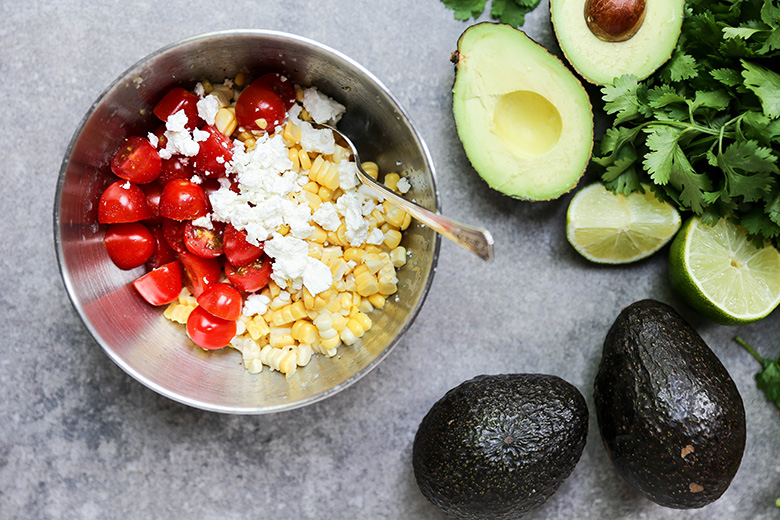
{"x": 750, "y": 349}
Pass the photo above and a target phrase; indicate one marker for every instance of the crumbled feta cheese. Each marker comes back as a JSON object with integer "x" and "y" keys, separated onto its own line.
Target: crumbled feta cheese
{"x": 196, "y": 179}
{"x": 350, "y": 206}
{"x": 289, "y": 254}
{"x": 375, "y": 237}
{"x": 204, "y": 222}
{"x": 152, "y": 137}
{"x": 317, "y": 276}
{"x": 179, "y": 139}
{"x": 126, "y": 185}
{"x": 200, "y": 135}
{"x": 403, "y": 185}
{"x": 317, "y": 139}
{"x": 322, "y": 108}
{"x": 207, "y": 109}
{"x": 256, "y": 304}
{"x": 348, "y": 178}
{"x": 327, "y": 216}
{"x": 199, "y": 90}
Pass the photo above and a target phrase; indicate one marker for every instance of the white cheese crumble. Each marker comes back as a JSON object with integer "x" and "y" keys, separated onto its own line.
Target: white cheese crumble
{"x": 179, "y": 139}
{"x": 199, "y": 89}
{"x": 327, "y": 216}
{"x": 292, "y": 261}
{"x": 207, "y": 109}
{"x": 322, "y": 108}
{"x": 204, "y": 222}
{"x": 255, "y": 304}
{"x": 403, "y": 185}
{"x": 152, "y": 137}
{"x": 348, "y": 178}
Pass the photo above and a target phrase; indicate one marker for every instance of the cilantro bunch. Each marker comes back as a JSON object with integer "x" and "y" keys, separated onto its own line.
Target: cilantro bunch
{"x": 511, "y": 12}
{"x": 704, "y": 130}
{"x": 768, "y": 379}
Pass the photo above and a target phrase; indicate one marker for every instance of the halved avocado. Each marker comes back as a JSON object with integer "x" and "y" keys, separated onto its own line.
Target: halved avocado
{"x": 524, "y": 119}
{"x": 599, "y": 60}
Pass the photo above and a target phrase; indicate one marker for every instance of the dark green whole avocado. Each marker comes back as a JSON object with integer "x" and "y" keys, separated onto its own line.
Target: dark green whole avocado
{"x": 497, "y": 447}
{"x": 670, "y": 415}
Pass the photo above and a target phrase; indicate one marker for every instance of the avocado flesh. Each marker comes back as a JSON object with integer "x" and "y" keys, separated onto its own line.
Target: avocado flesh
{"x": 599, "y": 61}
{"x": 524, "y": 120}
{"x": 670, "y": 415}
{"x": 496, "y": 447}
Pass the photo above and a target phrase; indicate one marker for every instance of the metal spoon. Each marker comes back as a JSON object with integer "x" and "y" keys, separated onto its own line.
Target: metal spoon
{"x": 477, "y": 240}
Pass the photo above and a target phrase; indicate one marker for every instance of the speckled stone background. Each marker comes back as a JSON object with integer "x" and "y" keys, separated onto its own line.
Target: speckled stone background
{"x": 80, "y": 439}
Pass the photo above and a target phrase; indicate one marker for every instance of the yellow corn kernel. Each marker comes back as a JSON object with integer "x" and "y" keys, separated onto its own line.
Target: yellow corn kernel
{"x": 315, "y": 250}
{"x": 340, "y": 154}
{"x": 339, "y": 322}
{"x": 308, "y": 299}
{"x": 304, "y": 115}
{"x": 373, "y": 262}
{"x": 366, "y": 283}
{"x": 324, "y": 172}
{"x": 283, "y": 230}
{"x": 392, "y": 238}
{"x": 298, "y": 93}
{"x": 312, "y": 199}
{"x": 207, "y": 86}
{"x": 398, "y": 256}
{"x": 311, "y": 187}
{"x": 378, "y": 216}
{"x": 257, "y": 328}
{"x": 304, "y": 332}
{"x": 341, "y": 232}
{"x": 391, "y": 181}
{"x": 347, "y": 337}
{"x": 250, "y": 144}
{"x": 407, "y": 221}
{"x": 371, "y": 168}
{"x": 330, "y": 343}
{"x": 387, "y": 287}
{"x": 345, "y": 300}
{"x": 358, "y": 325}
{"x": 244, "y": 135}
{"x": 281, "y": 337}
{"x": 377, "y": 300}
{"x": 225, "y": 121}
{"x": 273, "y": 290}
{"x": 320, "y": 303}
{"x": 364, "y": 321}
{"x": 323, "y": 321}
{"x": 240, "y": 79}
{"x": 223, "y": 93}
{"x": 319, "y": 235}
{"x": 353, "y": 254}
{"x": 304, "y": 160}
{"x": 364, "y": 305}
{"x": 334, "y": 305}
{"x": 291, "y": 133}
{"x": 393, "y": 215}
{"x": 178, "y": 312}
{"x": 338, "y": 268}
{"x": 325, "y": 194}
{"x": 293, "y": 155}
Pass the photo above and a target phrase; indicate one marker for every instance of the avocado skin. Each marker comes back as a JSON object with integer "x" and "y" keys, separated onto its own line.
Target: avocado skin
{"x": 670, "y": 415}
{"x": 497, "y": 447}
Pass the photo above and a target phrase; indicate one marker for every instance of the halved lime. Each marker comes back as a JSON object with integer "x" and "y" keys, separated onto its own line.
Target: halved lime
{"x": 618, "y": 229}
{"x": 722, "y": 274}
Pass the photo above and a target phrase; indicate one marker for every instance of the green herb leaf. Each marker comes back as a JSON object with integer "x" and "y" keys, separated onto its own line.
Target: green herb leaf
{"x": 765, "y": 84}
{"x": 465, "y": 9}
{"x": 511, "y": 12}
{"x": 729, "y": 77}
{"x": 768, "y": 379}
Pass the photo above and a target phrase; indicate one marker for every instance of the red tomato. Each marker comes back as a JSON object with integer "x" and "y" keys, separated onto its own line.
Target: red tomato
{"x": 129, "y": 245}
{"x": 279, "y": 84}
{"x": 259, "y": 103}
{"x": 206, "y": 243}
{"x": 200, "y": 273}
{"x": 153, "y": 191}
{"x": 163, "y": 252}
{"x": 160, "y": 286}
{"x": 209, "y": 331}
{"x": 183, "y": 200}
{"x": 176, "y": 167}
{"x": 238, "y": 251}
{"x": 222, "y": 300}
{"x": 252, "y": 277}
{"x": 137, "y": 161}
{"x": 122, "y": 202}
{"x": 173, "y": 231}
{"x": 162, "y": 141}
{"x": 178, "y": 99}
{"x": 214, "y": 152}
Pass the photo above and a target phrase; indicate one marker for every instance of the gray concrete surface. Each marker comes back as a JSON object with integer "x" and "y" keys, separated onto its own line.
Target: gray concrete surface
{"x": 80, "y": 439}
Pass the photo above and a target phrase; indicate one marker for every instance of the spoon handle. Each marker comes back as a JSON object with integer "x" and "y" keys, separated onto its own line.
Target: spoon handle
{"x": 477, "y": 240}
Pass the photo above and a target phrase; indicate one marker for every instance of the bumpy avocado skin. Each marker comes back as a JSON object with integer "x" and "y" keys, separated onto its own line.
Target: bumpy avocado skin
{"x": 670, "y": 415}
{"x": 497, "y": 447}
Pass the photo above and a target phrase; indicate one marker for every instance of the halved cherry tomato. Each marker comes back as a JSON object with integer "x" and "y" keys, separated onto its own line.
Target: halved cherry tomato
{"x": 252, "y": 277}
{"x": 162, "y": 285}
{"x": 279, "y": 84}
{"x": 213, "y": 153}
{"x": 129, "y": 245}
{"x": 183, "y": 200}
{"x": 163, "y": 252}
{"x": 162, "y": 141}
{"x": 173, "y": 231}
{"x": 176, "y": 167}
{"x": 137, "y": 161}
{"x": 178, "y": 99}
{"x": 153, "y": 192}
{"x": 222, "y": 300}
{"x": 238, "y": 251}
{"x": 209, "y": 331}
{"x": 200, "y": 273}
{"x": 122, "y": 202}
{"x": 258, "y": 103}
{"x": 206, "y": 243}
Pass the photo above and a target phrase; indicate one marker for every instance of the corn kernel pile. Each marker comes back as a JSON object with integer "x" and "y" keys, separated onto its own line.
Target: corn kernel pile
{"x": 292, "y": 325}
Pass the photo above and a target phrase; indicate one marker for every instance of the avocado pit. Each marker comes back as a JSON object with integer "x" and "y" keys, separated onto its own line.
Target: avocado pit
{"x": 614, "y": 20}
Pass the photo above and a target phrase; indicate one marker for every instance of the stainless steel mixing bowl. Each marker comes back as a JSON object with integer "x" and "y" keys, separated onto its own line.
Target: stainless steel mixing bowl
{"x": 135, "y": 335}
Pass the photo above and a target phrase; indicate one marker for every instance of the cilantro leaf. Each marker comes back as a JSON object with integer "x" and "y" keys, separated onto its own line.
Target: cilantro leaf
{"x": 682, "y": 66}
{"x": 767, "y": 379}
{"x": 465, "y": 9}
{"x": 511, "y": 12}
{"x": 624, "y": 98}
{"x": 729, "y": 77}
{"x": 748, "y": 168}
{"x": 765, "y": 84}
